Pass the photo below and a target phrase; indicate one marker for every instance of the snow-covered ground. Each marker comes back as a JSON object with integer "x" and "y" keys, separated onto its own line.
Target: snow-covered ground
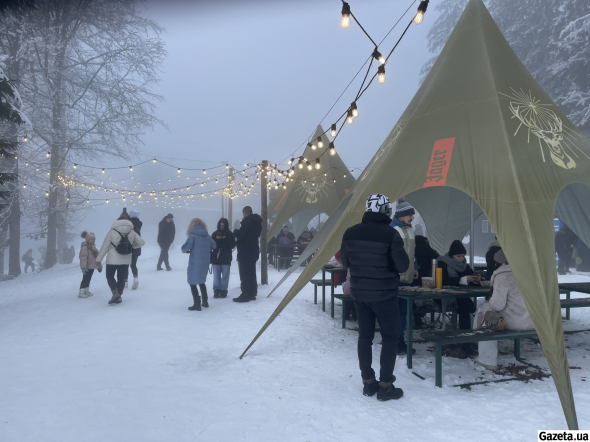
{"x": 150, "y": 370}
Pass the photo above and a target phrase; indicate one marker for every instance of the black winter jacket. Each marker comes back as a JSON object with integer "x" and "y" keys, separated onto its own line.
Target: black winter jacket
{"x": 374, "y": 253}
{"x": 137, "y": 228}
{"x": 166, "y": 232}
{"x": 492, "y": 265}
{"x": 424, "y": 255}
{"x": 247, "y": 238}
{"x": 448, "y": 280}
{"x": 225, "y": 246}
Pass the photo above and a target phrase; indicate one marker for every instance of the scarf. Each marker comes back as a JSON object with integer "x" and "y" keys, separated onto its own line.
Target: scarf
{"x": 454, "y": 267}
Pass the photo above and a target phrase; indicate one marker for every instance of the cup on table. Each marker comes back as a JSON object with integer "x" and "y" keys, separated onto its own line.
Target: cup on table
{"x": 428, "y": 283}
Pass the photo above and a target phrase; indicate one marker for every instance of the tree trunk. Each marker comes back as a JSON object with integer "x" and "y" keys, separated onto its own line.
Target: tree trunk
{"x": 14, "y": 225}
{"x": 3, "y": 232}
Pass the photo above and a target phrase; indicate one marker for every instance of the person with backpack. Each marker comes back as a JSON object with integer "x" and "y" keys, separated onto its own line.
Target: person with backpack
{"x": 134, "y": 218}
{"x": 28, "y": 260}
{"x": 118, "y": 247}
{"x": 221, "y": 257}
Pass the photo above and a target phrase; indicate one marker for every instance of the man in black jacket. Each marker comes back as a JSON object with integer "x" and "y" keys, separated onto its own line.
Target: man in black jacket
{"x": 374, "y": 253}
{"x": 248, "y": 251}
{"x": 166, "y": 233}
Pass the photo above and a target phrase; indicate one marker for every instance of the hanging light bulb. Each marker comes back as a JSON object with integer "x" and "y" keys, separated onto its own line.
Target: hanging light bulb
{"x": 300, "y": 164}
{"x": 350, "y": 118}
{"x": 46, "y": 193}
{"x": 421, "y": 11}
{"x": 26, "y": 138}
{"x": 87, "y": 200}
{"x": 332, "y": 149}
{"x": 154, "y": 160}
{"x": 333, "y": 131}
{"x": 345, "y": 22}
{"x": 317, "y": 163}
{"x": 227, "y": 166}
{"x": 290, "y": 161}
{"x": 284, "y": 186}
{"x": 204, "y": 171}
{"x": 308, "y": 165}
{"x": 320, "y": 142}
{"x": 130, "y": 168}
{"x": 102, "y": 170}
{"x": 381, "y": 74}
{"x": 24, "y": 186}
{"x": 179, "y": 170}
{"x": 355, "y": 111}
{"x": 75, "y": 165}
{"x": 377, "y": 56}
{"x": 314, "y": 146}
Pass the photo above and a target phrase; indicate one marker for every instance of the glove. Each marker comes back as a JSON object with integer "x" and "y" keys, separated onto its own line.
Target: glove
{"x": 84, "y": 271}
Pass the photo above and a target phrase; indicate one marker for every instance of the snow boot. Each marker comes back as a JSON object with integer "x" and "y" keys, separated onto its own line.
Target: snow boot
{"x": 87, "y": 289}
{"x": 242, "y": 298}
{"x": 82, "y": 294}
{"x": 116, "y": 299}
{"x": 168, "y": 268}
{"x": 223, "y": 293}
{"x": 159, "y": 268}
{"x": 370, "y": 387}
{"x": 387, "y": 391}
{"x": 135, "y": 283}
{"x": 196, "y": 303}
{"x": 216, "y": 294}
{"x": 204, "y": 302}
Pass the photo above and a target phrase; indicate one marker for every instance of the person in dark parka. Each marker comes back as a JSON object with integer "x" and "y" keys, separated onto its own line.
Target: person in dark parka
{"x": 166, "y": 233}
{"x": 374, "y": 253}
{"x": 248, "y": 252}
{"x": 221, "y": 257}
{"x": 28, "y": 260}
{"x": 424, "y": 254}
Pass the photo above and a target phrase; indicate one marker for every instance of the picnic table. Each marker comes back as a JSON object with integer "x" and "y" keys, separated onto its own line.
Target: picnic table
{"x": 294, "y": 250}
{"x": 411, "y": 294}
{"x": 567, "y": 287}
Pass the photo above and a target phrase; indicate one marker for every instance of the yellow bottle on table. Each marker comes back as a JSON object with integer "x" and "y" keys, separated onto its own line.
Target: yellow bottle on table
{"x": 438, "y": 278}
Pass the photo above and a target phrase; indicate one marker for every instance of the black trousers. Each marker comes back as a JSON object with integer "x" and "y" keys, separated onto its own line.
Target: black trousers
{"x": 387, "y": 315}
{"x": 86, "y": 279}
{"x": 164, "y": 255}
{"x": 248, "y": 278}
{"x": 30, "y": 264}
{"x": 465, "y": 307}
{"x": 195, "y": 291}
{"x": 134, "y": 265}
{"x": 122, "y": 271}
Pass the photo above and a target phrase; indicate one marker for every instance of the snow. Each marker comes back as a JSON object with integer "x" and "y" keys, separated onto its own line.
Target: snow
{"x": 149, "y": 370}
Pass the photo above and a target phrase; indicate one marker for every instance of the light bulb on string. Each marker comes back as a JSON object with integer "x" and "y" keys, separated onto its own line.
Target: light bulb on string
{"x": 320, "y": 142}
{"x": 48, "y": 154}
{"x": 130, "y": 168}
{"x": 350, "y": 118}
{"x": 355, "y": 111}
{"x": 381, "y": 74}
{"x": 377, "y": 56}
{"x": 345, "y": 21}
{"x": 317, "y": 163}
{"x": 332, "y": 149}
{"x": 308, "y": 166}
{"x": 178, "y": 171}
{"x": 204, "y": 171}
{"x": 102, "y": 170}
{"x": 419, "y": 18}
{"x": 300, "y": 164}
{"x": 313, "y": 146}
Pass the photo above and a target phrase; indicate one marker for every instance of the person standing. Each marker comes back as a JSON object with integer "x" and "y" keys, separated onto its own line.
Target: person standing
{"x": 28, "y": 260}
{"x": 221, "y": 257}
{"x": 118, "y": 246}
{"x": 402, "y": 222}
{"x": 199, "y": 245}
{"x": 166, "y": 233}
{"x": 248, "y": 252}
{"x": 563, "y": 251}
{"x": 373, "y": 252}
{"x": 88, "y": 263}
{"x": 134, "y": 218}
{"x": 424, "y": 255}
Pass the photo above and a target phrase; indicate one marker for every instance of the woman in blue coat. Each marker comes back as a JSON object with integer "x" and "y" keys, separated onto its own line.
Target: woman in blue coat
{"x": 199, "y": 245}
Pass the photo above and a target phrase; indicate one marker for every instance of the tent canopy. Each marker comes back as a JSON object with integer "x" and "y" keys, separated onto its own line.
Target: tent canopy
{"x": 312, "y": 191}
{"x": 481, "y": 125}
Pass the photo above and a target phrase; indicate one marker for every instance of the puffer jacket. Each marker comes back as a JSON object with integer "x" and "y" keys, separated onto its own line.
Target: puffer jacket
{"x": 407, "y": 235}
{"x": 200, "y": 245}
{"x": 374, "y": 253}
{"x": 88, "y": 253}
{"x": 137, "y": 227}
{"x": 508, "y": 301}
{"x": 247, "y": 238}
{"x": 222, "y": 255}
{"x": 124, "y": 227}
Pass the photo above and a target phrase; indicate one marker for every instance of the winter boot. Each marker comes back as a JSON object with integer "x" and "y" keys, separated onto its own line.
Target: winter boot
{"x": 135, "y": 283}
{"x": 204, "y": 302}
{"x": 242, "y": 298}
{"x": 159, "y": 268}
{"x": 223, "y": 293}
{"x": 87, "y": 289}
{"x": 116, "y": 299}
{"x": 216, "y": 293}
{"x": 82, "y": 294}
{"x": 388, "y": 391}
{"x": 370, "y": 387}
{"x": 196, "y": 303}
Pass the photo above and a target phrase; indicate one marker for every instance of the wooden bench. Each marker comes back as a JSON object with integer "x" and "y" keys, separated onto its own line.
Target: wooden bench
{"x": 440, "y": 338}
{"x": 347, "y": 303}
{"x": 319, "y": 283}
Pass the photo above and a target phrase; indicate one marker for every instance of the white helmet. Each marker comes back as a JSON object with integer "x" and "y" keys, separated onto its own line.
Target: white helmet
{"x": 379, "y": 203}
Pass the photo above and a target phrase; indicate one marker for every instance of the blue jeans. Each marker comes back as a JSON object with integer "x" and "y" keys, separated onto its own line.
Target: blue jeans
{"x": 220, "y": 276}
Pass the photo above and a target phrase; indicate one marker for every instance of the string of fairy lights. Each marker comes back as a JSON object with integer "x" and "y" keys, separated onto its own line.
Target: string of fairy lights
{"x": 240, "y": 181}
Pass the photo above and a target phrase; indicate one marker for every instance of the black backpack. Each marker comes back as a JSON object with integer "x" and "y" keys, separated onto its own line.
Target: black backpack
{"x": 124, "y": 247}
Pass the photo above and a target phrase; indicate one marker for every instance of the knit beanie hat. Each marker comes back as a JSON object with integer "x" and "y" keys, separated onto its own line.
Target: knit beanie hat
{"x": 457, "y": 248}
{"x": 286, "y": 228}
{"x": 134, "y": 213}
{"x": 404, "y": 209}
{"x": 170, "y": 216}
{"x": 500, "y": 258}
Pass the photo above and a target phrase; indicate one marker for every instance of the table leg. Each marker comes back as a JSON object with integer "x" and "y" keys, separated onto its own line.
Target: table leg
{"x": 410, "y": 326}
{"x": 517, "y": 349}
{"x": 332, "y": 292}
{"x": 323, "y": 290}
{"x": 315, "y": 294}
{"x": 438, "y": 364}
{"x": 567, "y": 310}
{"x": 344, "y": 304}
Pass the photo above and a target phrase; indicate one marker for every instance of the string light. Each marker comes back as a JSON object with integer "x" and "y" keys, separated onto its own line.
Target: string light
{"x": 130, "y": 168}
{"x": 154, "y": 160}
{"x": 102, "y": 170}
{"x": 313, "y": 146}
{"x": 333, "y": 131}
{"x": 332, "y": 149}
{"x": 421, "y": 11}
{"x": 48, "y": 154}
{"x": 320, "y": 142}
{"x": 345, "y": 22}
{"x": 26, "y": 138}
{"x": 308, "y": 166}
{"x": 300, "y": 164}
{"x": 377, "y": 56}
{"x": 179, "y": 170}
{"x": 75, "y": 165}
{"x": 355, "y": 111}
{"x": 381, "y": 74}
{"x": 317, "y": 163}
{"x": 350, "y": 118}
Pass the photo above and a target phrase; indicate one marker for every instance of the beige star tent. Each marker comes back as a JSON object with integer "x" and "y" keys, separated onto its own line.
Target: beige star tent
{"x": 482, "y": 126}
{"x": 314, "y": 191}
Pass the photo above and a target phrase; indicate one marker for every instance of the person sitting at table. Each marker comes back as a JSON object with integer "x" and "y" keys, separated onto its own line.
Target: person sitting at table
{"x": 285, "y": 237}
{"x": 493, "y": 248}
{"x": 508, "y": 302}
{"x": 305, "y": 238}
{"x": 456, "y": 272}
{"x": 424, "y": 254}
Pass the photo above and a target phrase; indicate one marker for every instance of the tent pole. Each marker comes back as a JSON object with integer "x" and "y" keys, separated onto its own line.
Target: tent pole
{"x": 263, "y": 234}
{"x": 230, "y": 177}
{"x": 471, "y": 238}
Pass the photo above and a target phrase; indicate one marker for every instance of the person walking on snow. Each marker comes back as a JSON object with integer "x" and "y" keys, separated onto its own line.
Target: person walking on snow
{"x": 221, "y": 257}
{"x": 166, "y": 233}
{"x": 248, "y": 253}
{"x": 402, "y": 222}
{"x": 199, "y": 245}
{"x": 134, "y": 218}
{"x": 373, "y": 252}
{"x": 117, "y": 247}
{"x": 88, "y": 263}
{"x": 28, "y": 260}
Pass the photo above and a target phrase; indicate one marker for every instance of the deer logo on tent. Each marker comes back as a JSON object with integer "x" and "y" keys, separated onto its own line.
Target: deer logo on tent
{"x": 312, "y": 190}
{"x": 547, "y": 126}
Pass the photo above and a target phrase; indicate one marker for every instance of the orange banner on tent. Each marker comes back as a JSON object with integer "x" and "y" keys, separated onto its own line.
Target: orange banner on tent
{"x": 280, "y": 201}
{"x": 438, "y": 168}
